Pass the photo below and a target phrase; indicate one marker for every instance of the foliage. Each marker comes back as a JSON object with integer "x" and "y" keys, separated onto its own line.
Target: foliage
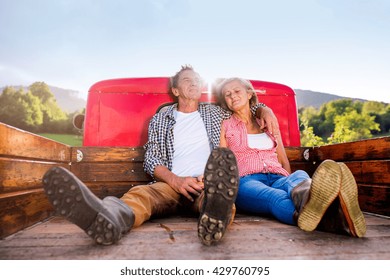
{"x": 20, "y": 109}
{"x": 353, "y": 126}
{"x": 343, "y": 120}
{"x": 309, "y": 138}
{"x": 35, "y": 110}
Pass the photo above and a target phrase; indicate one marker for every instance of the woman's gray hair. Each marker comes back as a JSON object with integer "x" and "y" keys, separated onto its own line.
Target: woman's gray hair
{"x": 246, "y": 83}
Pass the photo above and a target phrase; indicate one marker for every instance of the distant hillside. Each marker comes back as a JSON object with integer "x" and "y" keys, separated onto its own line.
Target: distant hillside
{"x": 67, "y": 99}
{"x": 306, "y": 98}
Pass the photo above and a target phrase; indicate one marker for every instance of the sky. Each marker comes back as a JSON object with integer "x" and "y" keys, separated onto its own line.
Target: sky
{"x": 339, "y": 47}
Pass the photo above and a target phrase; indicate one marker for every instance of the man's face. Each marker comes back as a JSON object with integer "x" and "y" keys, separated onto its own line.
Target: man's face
{"x": 189, "y": 86}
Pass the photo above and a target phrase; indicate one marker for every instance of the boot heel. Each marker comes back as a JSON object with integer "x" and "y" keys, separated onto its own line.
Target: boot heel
{"x": 103, "y": 231}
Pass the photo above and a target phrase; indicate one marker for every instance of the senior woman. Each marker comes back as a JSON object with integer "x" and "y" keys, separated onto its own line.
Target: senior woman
{"x": 267, "y": 186}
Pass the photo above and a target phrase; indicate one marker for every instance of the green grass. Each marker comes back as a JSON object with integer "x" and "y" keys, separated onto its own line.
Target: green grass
{"x": 68, "y": 139}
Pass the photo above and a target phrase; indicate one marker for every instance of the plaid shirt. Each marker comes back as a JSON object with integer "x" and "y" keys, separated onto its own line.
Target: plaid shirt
{"x": 159, "y": 148}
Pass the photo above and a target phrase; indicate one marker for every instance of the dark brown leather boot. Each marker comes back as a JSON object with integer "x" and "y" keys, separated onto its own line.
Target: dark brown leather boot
{"x": 220, "y": 191}
{"x": 324, "y": 188}
{"x": 344, "y": 215}
{"x": 334, "y": 220}
{"x": 300, "y": 196}
{"x": 103, "y": 220}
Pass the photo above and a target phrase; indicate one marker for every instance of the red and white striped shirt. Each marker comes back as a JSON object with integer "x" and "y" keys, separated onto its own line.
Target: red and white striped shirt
{"x": 250, "y": 160}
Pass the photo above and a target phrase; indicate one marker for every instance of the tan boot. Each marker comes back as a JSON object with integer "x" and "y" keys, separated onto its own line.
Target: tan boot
{"x": 324, "y": 189}
{"x": 220, "y": 191}
{"x": 103, "y": 220}
{"x": 350, "y": 204}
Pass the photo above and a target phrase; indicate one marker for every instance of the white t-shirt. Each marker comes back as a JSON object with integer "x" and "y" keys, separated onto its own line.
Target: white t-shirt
{"x": 191, "y": 145}
{"x": 260, "y": 141}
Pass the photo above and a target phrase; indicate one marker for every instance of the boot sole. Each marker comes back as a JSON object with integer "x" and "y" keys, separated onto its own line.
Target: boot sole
{"x": 221, "y": 188}
{"x": 74, "y": 201}
{"x": 350, "y": 204}
{"x": 325, "y": 187}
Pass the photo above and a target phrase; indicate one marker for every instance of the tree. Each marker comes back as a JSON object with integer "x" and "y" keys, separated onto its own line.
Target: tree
{"x": 379, "y": 111}
{"x": 42, "y": 91}
{"x": 20, "y": 109}
{"x": 343, "y": 120}
{"x": 352, "y": 126}
{"x": 374, "y": 107}
{"x": 35, "y": 110}
{"x": 34, "y": 115}
{"x": 384, "y": 120}
{"x": 308, "y": 138}
{"x": 309, "y": 117}
{"x": 53, "y": 116}
{"x": 329, "y": 111}
{"x": 11, "y": 111}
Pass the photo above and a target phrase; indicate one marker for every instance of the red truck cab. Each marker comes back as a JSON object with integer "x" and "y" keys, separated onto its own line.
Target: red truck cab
{"x": 119, "y": 110}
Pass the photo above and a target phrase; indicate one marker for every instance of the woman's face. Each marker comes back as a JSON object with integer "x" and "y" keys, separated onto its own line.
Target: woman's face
{"x": 236, "y": 96}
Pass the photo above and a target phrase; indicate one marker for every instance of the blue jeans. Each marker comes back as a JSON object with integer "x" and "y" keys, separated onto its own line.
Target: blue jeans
{"x": 267, "y": 193}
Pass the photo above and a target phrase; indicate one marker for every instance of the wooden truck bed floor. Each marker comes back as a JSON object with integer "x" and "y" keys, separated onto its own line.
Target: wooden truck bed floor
{"x": 175, "y": 237}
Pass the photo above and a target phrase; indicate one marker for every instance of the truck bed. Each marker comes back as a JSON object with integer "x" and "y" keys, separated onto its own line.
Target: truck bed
{"x": 28, "y": 229}
{"x": 175, "y": 238}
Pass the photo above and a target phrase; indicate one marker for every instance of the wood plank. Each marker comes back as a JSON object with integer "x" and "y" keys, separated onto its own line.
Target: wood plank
{"x": 371, "y": 171}
{"x": 370, "y": 149}
{"x": 112, "y": 172}
{"x": 107, "y": 154}
{"x": 249, "y": 237}
{"x": 295, "y": 154}
{"x": 375, "y": 199}
{"x": 375, "y": 172}
{"x": 22, "y": 209}
{"x": 19, "y": 143}
{"x": 21, "y": 174}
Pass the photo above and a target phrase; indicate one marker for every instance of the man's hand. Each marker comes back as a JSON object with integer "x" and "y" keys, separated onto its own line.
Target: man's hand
{"x": 268, "y": 120}
{"x": 187, "y": 186}
{"x": 183, "y": 185}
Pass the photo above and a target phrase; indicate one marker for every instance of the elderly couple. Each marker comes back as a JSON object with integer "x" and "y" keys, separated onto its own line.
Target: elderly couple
{"x": 211, "y": 159}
